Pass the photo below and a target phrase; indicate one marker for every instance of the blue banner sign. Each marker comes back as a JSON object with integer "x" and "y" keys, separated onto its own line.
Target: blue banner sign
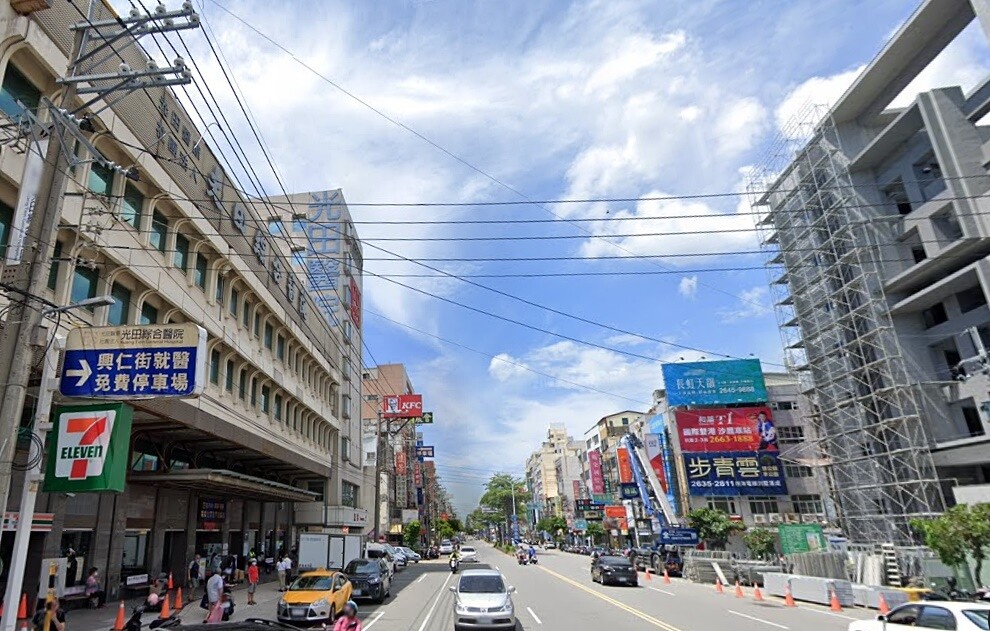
{"x": 714, "y": 382}
{"x": 679, "y": 536}
{"x": 580, "y": 524}
{"x": 734, "y": 473}
{"x": 424, "y": 451}
{"x": 629, "y": 491}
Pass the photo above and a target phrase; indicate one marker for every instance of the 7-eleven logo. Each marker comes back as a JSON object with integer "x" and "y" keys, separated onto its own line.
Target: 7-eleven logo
{"x": 83, "y": 440}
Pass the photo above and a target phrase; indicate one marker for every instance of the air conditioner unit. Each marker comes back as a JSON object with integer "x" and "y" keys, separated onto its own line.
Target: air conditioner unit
{"x": 774, "y": 518}
{"x": 759, "y": 519}
{"x": 792, "y": 518}
{"x": 809, "y": 519}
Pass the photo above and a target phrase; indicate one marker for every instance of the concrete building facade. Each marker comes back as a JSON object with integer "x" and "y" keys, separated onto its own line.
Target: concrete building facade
{"x": 541, "y": 472}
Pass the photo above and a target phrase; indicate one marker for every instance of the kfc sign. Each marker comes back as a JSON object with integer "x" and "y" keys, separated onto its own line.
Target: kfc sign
{"x": 402, "y": 405}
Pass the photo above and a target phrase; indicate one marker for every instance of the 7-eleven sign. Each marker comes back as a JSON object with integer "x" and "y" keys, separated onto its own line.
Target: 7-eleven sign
{"x": 90, "y": 449}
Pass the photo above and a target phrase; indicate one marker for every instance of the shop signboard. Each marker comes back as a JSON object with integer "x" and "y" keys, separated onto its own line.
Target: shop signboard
{"x": 726, "y": 429}
{"x": 593, "y": 515}
{"x": 580, "y": 524}
{"x": 801, "y": 538}
{"x": 424, "y": 451}
{"x": 576, "y": 487}
{"x": 91, "y": 448}
{"x": 595, "y": 468}
{"x": 402, "y": 406}
{"x": 212, "y": 512}
{"x": 625, "y": 465}
{"x": 426, "y": 419}
{"x": 734, "y": 473}
{"x": 355, "y": 296}
{"x": 400, "y": 461}
{"x": 417, "y": 474}
{"x": 628, "y": 491}
{"x": 714, "y": 382}
{"x": 679, "y": 536}
{"x": 616, "y": 511}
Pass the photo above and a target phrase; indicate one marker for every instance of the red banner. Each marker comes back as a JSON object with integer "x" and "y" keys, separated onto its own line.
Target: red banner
{"x": 417, "y": 474}
{"x": 727, "y": 429}
{"x": 355, "y": 304}
{"x": 595, "y": 467}
{"x": 577, "y": 488}
{"x": 616, "y": 512}
{"x": 625, "y": 465}
{"x": 402, "y": 405}
{"x": 400, "y": 461}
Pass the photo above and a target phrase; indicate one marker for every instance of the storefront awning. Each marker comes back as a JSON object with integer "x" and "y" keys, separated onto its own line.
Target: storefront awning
{"x": 224, "y": 483}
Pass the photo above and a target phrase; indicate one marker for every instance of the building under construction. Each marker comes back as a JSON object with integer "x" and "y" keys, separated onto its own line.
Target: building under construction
{"x": 878, "y": 234}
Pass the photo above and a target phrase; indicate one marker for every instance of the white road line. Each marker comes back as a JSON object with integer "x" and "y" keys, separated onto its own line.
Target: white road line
{"x": 829, "y": 613}
{"x": 435, "y": 603}
{"x": 535, "y": 617}
{"x": 377, "y": 617}
{"x": 420, "y": 579}
{"x": 772, "y": 624}
{"x": 663, "y": 591}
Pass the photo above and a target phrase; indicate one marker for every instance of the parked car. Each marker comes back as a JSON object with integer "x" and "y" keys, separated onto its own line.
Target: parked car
{"x": 480, "y": 591}
{"x": 446, "y": 546}
{"x": 468, "y": 554}
{"x": 316, "y": 596}
{"x": 411, "y": 555}
{"x": 613, "y": 569}
{"x": 963, "y": 616}
{"x": 384, "y": 552}
{"x": 550, "y": 545}
{"x": 369, "y": 578}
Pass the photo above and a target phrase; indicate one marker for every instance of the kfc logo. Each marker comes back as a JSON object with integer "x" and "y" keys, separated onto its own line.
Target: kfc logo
{"x": 402, "y": 406}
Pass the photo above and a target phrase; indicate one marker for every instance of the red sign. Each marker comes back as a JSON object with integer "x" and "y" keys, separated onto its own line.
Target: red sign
{"x": 417, "y": 474}
{"x": 402, "y": 405}
{"x": 625, "y": 465}
{"x": 577, "y": 488}
{"x": 615, "y": 512}
{"x": 727, "y": 429}
{"x": 595, "y": 467}
{"x": 355, "y": 304}
{"x": 400, "y": 461}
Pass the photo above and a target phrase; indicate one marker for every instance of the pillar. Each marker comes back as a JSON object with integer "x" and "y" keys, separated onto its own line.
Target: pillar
{"x": 156, "y": 542}
{"x": 192, "y": 521}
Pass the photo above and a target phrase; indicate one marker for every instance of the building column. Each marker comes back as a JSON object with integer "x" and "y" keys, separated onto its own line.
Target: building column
{"x": 192, "y": 521}
{"x": 156, "y": 540}
{"x": 117, "y": 512}
{"x": 53, "y": 540}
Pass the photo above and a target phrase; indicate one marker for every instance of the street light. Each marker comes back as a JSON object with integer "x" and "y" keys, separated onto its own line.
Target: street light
{"x": 96, "y": 301}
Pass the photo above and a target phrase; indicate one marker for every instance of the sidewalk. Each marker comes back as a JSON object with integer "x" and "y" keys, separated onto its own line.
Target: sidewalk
{"x": 267, "y": 598}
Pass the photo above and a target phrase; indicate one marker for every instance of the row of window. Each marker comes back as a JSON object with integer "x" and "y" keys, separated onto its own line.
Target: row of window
{"x": 768, "y": 505}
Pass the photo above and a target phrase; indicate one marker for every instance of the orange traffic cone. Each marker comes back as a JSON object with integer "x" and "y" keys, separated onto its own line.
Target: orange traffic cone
{"x": 178, "y": 600}
{"x": 757, "y": 594}
{"x": 166, "y": 613}
{"x": 834, "y": 604}
{"x": 119, "y": 623}
{"x": 22, "y": 609}
{"x": 171, "y": 585}
{"x": 884, "y": 608}
{"x": 666, "y": 577}
{"x": 739, "y": 591}
{"x": 649, "y": 575}
{"x": 718, "y": 586}
{"x": 789, "y": 597}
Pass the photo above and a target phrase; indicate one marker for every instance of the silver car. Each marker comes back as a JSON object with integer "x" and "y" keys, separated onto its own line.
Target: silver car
{"x": 483, "y": 601}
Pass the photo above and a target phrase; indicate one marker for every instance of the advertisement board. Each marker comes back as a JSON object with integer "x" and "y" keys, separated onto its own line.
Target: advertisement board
{"x": 580, "y": 524}
{"x": 726, "y": 429}
{"x": 595, "y": 469}
{"x": 90, "y": 449}
{"x": 576, "y": 487}
{"x": 628, "y": 491}
{"x": 625, "y": 465}
{"x": 400, "y": 461}
{"x": 355, "y": 296}
{"x": 617, "y": 511}
{"x": 402, "y": 406}
{"x": 801, "y": 538}
{"x": 728, "y": 473}
{"x": 714, "y": 382}
{"x": 652, "y": 442}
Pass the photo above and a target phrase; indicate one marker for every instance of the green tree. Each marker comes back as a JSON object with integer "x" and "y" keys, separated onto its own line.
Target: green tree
{"x": 455, "y": 524}
{"x": 594, "y": 531}
{"x": 444, "y": 531}
{"x": 412, "y": 532}
{"x": 499, "y": 492}
{"x": 552, "y": 525}
{"x": 960, "y": 531}
{"x": 714, "y": 526}
{"x": 761, "y": 542}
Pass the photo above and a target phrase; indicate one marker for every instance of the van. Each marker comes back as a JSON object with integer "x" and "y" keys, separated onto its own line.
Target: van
{"x": 382, "y": 551}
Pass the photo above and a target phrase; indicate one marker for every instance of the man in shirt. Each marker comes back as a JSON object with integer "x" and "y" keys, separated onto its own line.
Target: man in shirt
{"x": 214, "y": 588}
{"x": 280, "y": 568}
{"x": 193, "y": 576}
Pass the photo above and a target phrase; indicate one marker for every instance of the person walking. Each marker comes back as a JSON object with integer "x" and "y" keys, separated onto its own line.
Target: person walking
{"x": 280, "y": 568}
{"x": 287, "y": 562}
{"x": 93, "y": 589}
{"x": 253, "y": 576}
{"x": 58, "y": 617}
{"x": 348, "y": 621}
{"x": 214, "y": 590}
{"x": 193, "y": 576}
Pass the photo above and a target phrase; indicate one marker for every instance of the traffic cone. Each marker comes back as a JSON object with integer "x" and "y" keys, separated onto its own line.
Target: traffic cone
{"x": 118, "y": 624}
{"x": 649, "y": 575}
{"x": 22, "y": 609}
{"x": 789, "y": 597}
{"x": 178, "y": 600}
{"x": 666, "y": 577}
{"x": 884, "y": 608}
{"x": 739, "y": 592}
{"x": 166, "y": 613}
{"x": 757, "y": 594}
{"x": 834, "y": 604}
{"x": 718, "y": 586}
{"x": 171, "y": 585}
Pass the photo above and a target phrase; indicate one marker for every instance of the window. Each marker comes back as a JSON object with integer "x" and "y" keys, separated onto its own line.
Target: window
{"x": 181, "y": 258}
{"x": 974, "y": 424}
{"x": 83, "y": 284}
{"x": 934, "y": 315}
{"x": 53, "y": 270}
{"x": 724, "y": 504}
{"x": 100, "y": 178}
{"x": 117, "y": 312}
{"x": 345, "y": 449}
{"x": 280, "y": 347}
{"x": 254, "y": 392}
{"x": 278, "y": 407}
{"x": 219, "y": 292}
{"x": 783, "y": 405}
{"x": 763, "y": 505}
{"x": 907, "y": 615}
{"x": 149, "y": 314}
{"x": 345, "y": 406}
{"x": 242, "y": 385}
{"x": 159, "y": 231}
{"x": 130, "y": 209}
{"x": 808, "y": 504}
{"x": 18, "y": 93}
{"x": 6, "y": 219}
{"x": 936, "y": 618}
{"x": 234, "y": 298}
{"x": 257, "y": 322}
{"x": 266, "y": 393}
{"x": 229, "y": 376}
{"x": 269, "y": 334}
{"x": 275, "y": 226}
{"x": 797, "y": 471}
{"x": 215, "y": 366}
{"x": 349, "y": 494}
{"x": 789, "y": 435}
{"x": 199, "y": 275}
{"x": 247, "y": 315}
{"x": 972, "y": 298}
{"x": 317, "y": 486}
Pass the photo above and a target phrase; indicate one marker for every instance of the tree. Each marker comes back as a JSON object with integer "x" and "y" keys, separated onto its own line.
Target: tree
{"x": 444, "y": 531}
{"x": 761, "y": 542}
{"x": 960, "y": 531}
{"x": 714, "y": 526}
{"x": 552, "y": 525}
{"x": 594, "y": 531}
{"x": 412, "y": 532}
{"x": 499, "y": 492}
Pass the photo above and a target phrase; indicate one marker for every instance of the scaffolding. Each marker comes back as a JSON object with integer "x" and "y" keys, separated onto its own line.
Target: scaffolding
{"x": 824, "y": 243}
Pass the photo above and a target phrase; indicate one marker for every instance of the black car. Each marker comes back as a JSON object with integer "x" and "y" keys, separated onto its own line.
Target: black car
{"x": 369, "y": 579}
{"x": 614, "y": 569}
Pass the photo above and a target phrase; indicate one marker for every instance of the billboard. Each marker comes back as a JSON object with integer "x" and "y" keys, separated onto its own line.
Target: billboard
{"x": 616, "y": 511}
{"x": 402, "y": 405}
{"x": 595, "y": 468}
{"x": 801, "y": 538}
{"x": 714, "y": 382}
{"x": 91, "y": 449}
{"x": 625, "y": 465}
{"x": 726, "y": 429}
{"x": 577, "y": 488}
{"x": 734, "y": 473}
{"x": 400, "y": 461}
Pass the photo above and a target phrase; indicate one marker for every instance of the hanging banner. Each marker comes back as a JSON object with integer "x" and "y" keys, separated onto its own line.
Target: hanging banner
{"x": 728, "y": 473}
{"x": 400, "y": 461}
{"x": 91, "y": 449}
{"x": 577, "y": 488}
{"x": 625, "y": 465}
{"x": 714, "y": 382}
{"x": 726, "y": 429}
{"x": 27, "y": 199}
{"x": 355, "y": 303}
{"x": 595, "y": 469}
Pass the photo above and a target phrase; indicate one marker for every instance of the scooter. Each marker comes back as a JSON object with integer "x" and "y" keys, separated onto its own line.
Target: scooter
{"x": 134, "y": 623}
{"x": 453, "y": 565}
{"x": 522, "y": 558}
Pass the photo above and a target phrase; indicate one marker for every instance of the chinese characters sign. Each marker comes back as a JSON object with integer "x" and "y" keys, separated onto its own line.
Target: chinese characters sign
{"x": 727, "y": 473}
{"x": 131, "y": 362}
{"x": 714, "y": 382}
{"x": 91, "y": 449}
{"x": 726, "y": 429}
{"x": 595, "y": 467}
{"x": 355, "y": 303}
{"x": 625, "y": 465}
{"x": 400, "y": 461}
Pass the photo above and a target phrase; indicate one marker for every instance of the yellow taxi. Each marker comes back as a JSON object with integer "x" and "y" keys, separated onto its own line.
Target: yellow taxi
{"x": 316, "y": 596}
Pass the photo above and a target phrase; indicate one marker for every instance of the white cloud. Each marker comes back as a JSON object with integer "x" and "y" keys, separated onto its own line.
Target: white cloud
{"x": 688, "y": 287}
{"x": 752, "y": 304}
{"x": 819, "y": 93}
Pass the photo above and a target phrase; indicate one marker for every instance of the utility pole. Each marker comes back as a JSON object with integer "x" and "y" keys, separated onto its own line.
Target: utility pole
{"x": 62, "y": 133}
{"x": 378, "y": 468}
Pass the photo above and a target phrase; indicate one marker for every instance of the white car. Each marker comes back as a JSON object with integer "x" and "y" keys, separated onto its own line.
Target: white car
{"x": 411, "y": 554}
{"x": 468, "y": 554}
{"x": 963, "y": 616}
{"x": 482, "y": 600}
{"x": 446, "y": 547}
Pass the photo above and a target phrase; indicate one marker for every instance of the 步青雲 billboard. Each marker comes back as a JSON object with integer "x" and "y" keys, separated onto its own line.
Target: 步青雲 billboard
{"x": 714, "y": 382}
{"x": 734, "y": 473}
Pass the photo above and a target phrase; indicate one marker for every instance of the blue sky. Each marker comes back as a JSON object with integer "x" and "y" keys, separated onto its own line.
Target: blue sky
{"x": 557, "y": 100}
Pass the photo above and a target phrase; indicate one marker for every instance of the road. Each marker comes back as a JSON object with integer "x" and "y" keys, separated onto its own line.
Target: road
{"x": 558, "y": 595}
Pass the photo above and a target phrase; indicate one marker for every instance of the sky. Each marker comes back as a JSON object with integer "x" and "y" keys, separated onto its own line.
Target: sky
{"x": 450, "y": 101}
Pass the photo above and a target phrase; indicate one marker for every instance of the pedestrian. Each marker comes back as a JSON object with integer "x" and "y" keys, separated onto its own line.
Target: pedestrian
{"x": 253, "y": 576}
{"x": 214, "y": 589}
{"x": 193, "y": 577}
{"x": 94, "y": 592}
{"x": 71, "y": 568}
{"x": 287, "y": 562}
{"x": 58, "y": 617}
{"x": 349, "y": 620}
{"x": 280, "y": 568}
{"x": 216, "y": 563}
{"x": 218, "y": 610}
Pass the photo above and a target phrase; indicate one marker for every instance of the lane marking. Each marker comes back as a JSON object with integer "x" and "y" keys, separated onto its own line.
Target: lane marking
{"x": 535, "y": 617}
{"x": 663, "y": 591}
{"x": 636, "y": 612}
{"x": 420, "y": 579}
{"x": 754, "y": 618}
{"x": 436, "y": 601}
{"x": 377, "y": 616}
{"x": 829, "y": 613}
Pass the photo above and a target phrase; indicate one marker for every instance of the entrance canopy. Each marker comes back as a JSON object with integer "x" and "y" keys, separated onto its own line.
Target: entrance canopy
{"x": 224, "y": 483}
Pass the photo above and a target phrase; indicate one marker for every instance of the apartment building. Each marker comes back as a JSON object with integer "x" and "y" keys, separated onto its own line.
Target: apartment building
{"x": 603, "y": 438}
{"x": 541, "y": 471}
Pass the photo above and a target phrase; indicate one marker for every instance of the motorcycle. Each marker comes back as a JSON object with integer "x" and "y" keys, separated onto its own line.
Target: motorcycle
{"x": 522, "y": 558}
{"x": 453, "y": 565}
{"x": 134, "y": 623}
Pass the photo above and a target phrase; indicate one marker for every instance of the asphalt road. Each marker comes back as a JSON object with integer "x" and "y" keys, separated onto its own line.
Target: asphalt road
{"x": 557, "y": 594}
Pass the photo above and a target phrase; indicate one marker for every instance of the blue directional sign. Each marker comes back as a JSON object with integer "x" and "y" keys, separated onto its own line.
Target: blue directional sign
{"x": 679, "y": 536}
{"x": 135, "y": 362}
{"x": 424, "y": 451}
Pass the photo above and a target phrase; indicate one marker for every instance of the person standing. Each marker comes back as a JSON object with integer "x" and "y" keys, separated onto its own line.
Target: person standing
{"x": 71, "y": 569}
{"x": 287, "y": 562}
{"x": 280, "y": 568}
{"x": 93, "y": 589}
{"x": 253, "y": 576}
{"x": 193, "y": 576}
{"x": 214, "y": 589}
